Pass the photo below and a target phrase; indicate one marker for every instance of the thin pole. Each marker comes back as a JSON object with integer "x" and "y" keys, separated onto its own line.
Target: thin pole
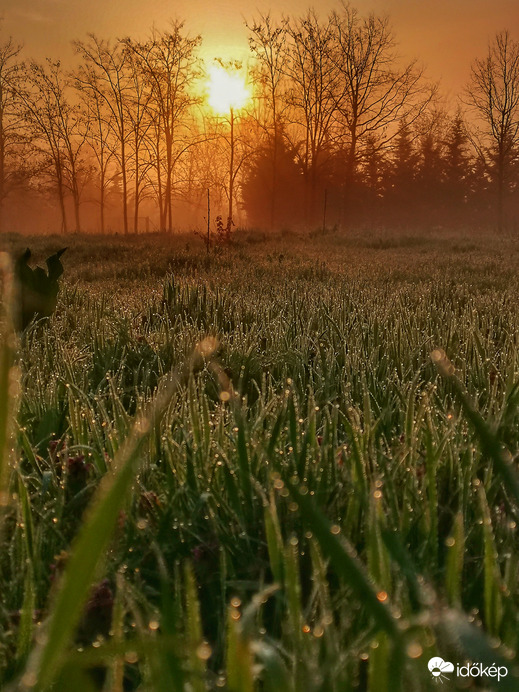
{"x": 208, "y": 219}
{"x": 231, "y": 169}
{"x": 324, "y": 209}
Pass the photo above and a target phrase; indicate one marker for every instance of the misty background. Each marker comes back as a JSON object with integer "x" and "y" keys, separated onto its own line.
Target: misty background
{"x": 345, "y": 125}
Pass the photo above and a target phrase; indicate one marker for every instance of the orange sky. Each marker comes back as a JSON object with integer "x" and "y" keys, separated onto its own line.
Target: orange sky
{"x": 444, "y": 34}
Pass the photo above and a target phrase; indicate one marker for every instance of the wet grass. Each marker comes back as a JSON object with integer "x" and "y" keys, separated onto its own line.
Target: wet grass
{"x": 243, "y": 471}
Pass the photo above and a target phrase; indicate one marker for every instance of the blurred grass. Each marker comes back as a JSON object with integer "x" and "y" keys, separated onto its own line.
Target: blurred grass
{"x": 320, "y": 452}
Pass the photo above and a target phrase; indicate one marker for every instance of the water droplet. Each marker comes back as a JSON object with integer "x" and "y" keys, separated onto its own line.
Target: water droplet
{"x": 414, "y": 650}
{"x": 204, "y": 651}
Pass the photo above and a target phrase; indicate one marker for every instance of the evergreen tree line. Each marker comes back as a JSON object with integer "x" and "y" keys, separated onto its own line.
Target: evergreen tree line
{"x": 339, "y": 131}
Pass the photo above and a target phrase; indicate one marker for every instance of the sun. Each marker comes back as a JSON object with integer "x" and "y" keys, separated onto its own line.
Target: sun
{"x": 227, "y": 90}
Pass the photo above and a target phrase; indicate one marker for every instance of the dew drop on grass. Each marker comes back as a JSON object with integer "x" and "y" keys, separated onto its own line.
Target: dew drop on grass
{"x": 29, "y": 680}
{"x": 204, "y": 651}
{"x": 414, "y": 650}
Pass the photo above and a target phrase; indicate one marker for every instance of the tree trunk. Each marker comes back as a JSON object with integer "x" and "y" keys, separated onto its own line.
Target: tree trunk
{"x": 75, "y": 196}
{"x": 76, "y": 213}
{"x": 61, "y": 196}
{"x": 160, "y": 193}
{"x": 500, "y": 191}
{"x": 137, "y": 194}
{"x": 273, "y": 197}
{"x": 231, "y": 170}
{"x": 102, "y": 199}
{"x": 169, "y": 178}
{"x": 125, "y": 187}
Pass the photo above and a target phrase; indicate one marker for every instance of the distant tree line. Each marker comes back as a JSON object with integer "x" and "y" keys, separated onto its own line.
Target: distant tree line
{"x": 338, "y": 132}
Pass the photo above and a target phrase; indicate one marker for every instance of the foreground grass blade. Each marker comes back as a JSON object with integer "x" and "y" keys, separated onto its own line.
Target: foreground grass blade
{"x": 490, "y": 443}
{"x": 493, "y": 585}
{"x": 239, "y": 659}
{"x": 342, "y": 556}
{"x": 194, "y": 636}
{"x": 455, "y": 557}
{"x": 93, "y": 539}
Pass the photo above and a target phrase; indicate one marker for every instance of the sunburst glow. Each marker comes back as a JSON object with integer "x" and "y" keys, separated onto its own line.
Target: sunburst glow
{"x": 226, "y": 90}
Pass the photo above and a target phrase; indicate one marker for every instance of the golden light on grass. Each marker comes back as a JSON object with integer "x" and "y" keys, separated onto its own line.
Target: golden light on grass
{"x": 226, "y": 89}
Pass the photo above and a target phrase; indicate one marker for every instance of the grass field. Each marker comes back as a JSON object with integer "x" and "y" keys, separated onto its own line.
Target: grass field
{"x": 244, "y": 471}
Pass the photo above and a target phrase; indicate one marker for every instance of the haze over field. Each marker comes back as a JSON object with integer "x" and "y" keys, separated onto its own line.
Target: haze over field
{"x": 385, "y": 114}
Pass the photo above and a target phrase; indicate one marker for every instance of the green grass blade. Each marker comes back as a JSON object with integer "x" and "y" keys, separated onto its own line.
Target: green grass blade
{"x": 492, "y": 574}
{"x": 343, "y": 557}
{"x": 239, "y": 658}
{"x": 92, "y": 541}
{"x": 26, "y": 627}
{"x": 194, "y": 637}
{"x": 274, "y": 539}
{"x": 455, "y": 558}
{"x": 490, "y": 443}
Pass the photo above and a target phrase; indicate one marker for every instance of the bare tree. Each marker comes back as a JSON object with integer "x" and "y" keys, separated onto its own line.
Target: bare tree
{"x": 375, "y": 94}
{"x": 267, "y": 44}
{"x": 107, "y": 70}
{"x": 493, "y": 95}
{"x": 312, "y": 96}
{"x": 139, "y": 124}
{"x": 58, "y": 131}
{"x": 168, "y": 64}
{"x": 10, "y": 121}
{"x": 100, "y": 133}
